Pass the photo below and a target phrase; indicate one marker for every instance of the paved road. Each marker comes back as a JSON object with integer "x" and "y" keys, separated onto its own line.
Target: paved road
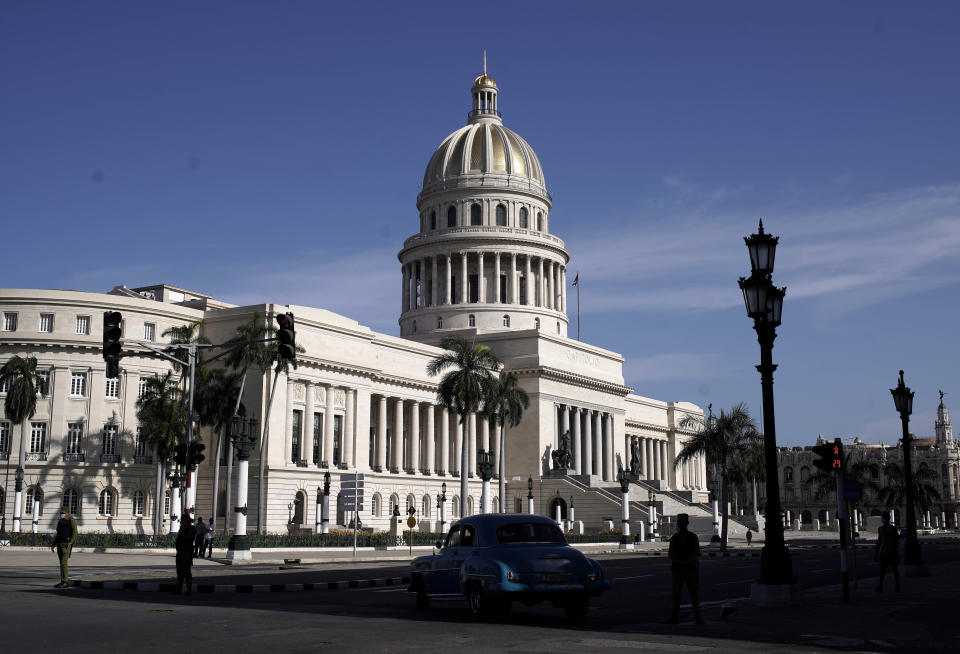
{"x": 383, "y": 619}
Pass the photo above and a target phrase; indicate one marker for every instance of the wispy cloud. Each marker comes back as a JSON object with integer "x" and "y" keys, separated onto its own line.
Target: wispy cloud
{"x": 671, "y": 366}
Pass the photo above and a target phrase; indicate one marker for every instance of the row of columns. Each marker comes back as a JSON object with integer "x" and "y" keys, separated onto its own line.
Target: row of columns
{"x": 655, "y": 463}
{"x": 591, "y": 440}
{"x": 547, "y": 290}
{"x": 347, "y": 459}
{"x": 425, "y": 438}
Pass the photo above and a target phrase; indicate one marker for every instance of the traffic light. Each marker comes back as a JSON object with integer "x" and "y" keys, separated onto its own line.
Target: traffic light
{"x": 180, "y": 454}
{"x": 831, "y": 456}
{"x": 112, "y": 332}
{"x": 196, "y": 453}
{"x": 286, "y": 335}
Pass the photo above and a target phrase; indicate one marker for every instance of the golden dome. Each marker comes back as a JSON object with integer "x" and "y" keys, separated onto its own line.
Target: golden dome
{"x": 484, "y": 80}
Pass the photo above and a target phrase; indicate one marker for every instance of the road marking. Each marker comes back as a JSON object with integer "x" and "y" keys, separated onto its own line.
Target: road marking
{"x": 633, "y": 577}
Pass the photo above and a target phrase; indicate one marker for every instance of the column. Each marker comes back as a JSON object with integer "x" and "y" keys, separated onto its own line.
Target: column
{"x": 514, "y": 297}
{"x": 565, "y": 425}
{"x": 349, "y": 433}
{"x": 444, "y": 466}
{"x": 663, "y": 461}
{"x": 307, "y": 439}
{"x": 433, "y": 282}
{"x": 563, "y": 289}
{"x": 413, "y": 285}
{"x": 608, "y": 458}
{"x": 642, "y": 446}
{"x": 405, "y": 289}
{"x": 396, "y": 447}
{"x": 539, "y": 299}
{"x": 495, "y": 448}
{"x": 598, "y": 459}
{"x": 555, "y": 281}
{"x": 655, "y": 445}
{"x": 448, "y": 271}
{"x": 575, "y": 441}
{"x": 381, "y": 449}
{"x": 457, "y": 442}
{"x": 527, "y": 277}
{"x": 481, "y": 280}
{"x": 287, "y": 419}
{"x": 471, "y": 447}
{"x": 463, "y": 278}
{"x": 484, "y": 428}
{"x": 327, "y": 454}
{"x": 430, "y": 435}
{"x": 414, "y": 436}
{"x": 496, "y": 278}
{"x": 548, "y": 285}
{"x": 587, "y": 444}
{"x": 949, "y": 480}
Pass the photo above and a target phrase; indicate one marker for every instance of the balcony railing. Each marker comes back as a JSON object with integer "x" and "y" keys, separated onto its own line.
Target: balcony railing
{"x": 4, "y": 456}
{"x": 74, "y": 457}
{"x": 36, "y": 456}
{"x": 109, "y": 458}
{"x": 143, "y": 459}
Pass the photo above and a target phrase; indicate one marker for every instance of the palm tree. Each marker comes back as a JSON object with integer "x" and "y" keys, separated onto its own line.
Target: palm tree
{"x": 747, "y": 465}
{"x": 506, "y": 406}
{"x": 250, "y": 354}
{"x": 719, "y": 439}
{"x": 894, "y": 492}
{"x": 214, "y": 404}
{"x": 19, "y": 376}
{"x": 466, "y": 386}
{"x": 855, "y": 466}
{"x": 163, "y": 425}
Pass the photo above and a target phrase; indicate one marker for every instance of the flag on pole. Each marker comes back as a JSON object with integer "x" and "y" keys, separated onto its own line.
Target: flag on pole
{"x": 576, "y": 280}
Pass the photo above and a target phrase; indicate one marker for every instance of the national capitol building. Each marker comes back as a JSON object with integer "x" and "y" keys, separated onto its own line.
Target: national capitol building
{"x": 484, "y": 262}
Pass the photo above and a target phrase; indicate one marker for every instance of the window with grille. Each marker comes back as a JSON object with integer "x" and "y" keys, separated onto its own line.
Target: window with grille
{"x": 295, "y": 426}
{"x": 337, "y": 438}
{"x": 475, "y": 214}
{"x": 46, "y": 322}
{"x": 9, "y": 322}
{"x": 318, "y": 436}
{"x": 501, "y": 215}
{"x": 71, "y": 500}
{"x": 138, "y": 503}
{"x": 38, "y": 437}
{"x": 74, "y": 438}
{"x": 34, "y": 494}
{"x": 43, "y": 383}
{"x": 523, "y": 218}
{"x": 5, "y": 385}
{"x": 149, "y": 329}
{"x": 472, "y": 320}
{"x": 110, "y": 440}
{"x": 78, "y": 384}
{"x": 140, "y": 449}
{"x": 506, "y": 321}
{"x": 4, "y": 437}
{"x": 83, "y": 325}
{"x": 166, "y": 503}
{"x": 141, "y": 387}
{"x": 439, "y": 323}
{"x": 107, "y": 503}
{"x": 113, "y": 388}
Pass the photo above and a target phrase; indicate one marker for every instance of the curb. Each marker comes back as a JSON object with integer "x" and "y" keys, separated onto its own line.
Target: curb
{"x": 240, "y": 588}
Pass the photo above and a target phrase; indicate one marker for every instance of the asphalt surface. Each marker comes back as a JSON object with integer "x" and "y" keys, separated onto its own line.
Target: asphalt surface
{"x": 383, "y": 619}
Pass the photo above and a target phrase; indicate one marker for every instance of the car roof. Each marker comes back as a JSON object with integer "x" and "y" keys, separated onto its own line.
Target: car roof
{"x": 486, "y": 524}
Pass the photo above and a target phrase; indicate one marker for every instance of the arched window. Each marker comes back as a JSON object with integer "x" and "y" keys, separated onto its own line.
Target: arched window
{"x": 456, "y": 507}
{"x": 558, "y": 326}
{"x": 433, "y": 220}
{"x": 788, "y": 474}
{"x": 469, "y": 504}
{"x": 539, "y": 221}
{"x": 375, "y": 505}
{"x": 71, "y": 500}
{"x": 394, "y": 502}
{"x": 523, "y": 217}
{"x": 34, "y": 494}
{"x": 299, "y": 500}
{"x": 452, "y": 217}
{"x": 506, "y": 321}
{"x": 501, "y": 215}
{"x": 475, "y": 215}
{"x": 411, "y": 503}
{"x": 472, "y": 320}
{"x": 496, "y": 505}
{"x": 425, "y": 507}
{"x": 439, "y": 322}
{"x": 139, "y": 500}
{"x": 107, "y": 505}
{"x": 536, "y": 324}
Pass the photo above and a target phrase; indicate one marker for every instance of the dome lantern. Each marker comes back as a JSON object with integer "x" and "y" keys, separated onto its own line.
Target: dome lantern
{"x": 484, "y": 92}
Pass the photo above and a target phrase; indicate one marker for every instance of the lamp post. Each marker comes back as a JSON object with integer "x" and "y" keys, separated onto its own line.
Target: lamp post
{"x": 570, "y": 513}
{"x": 325, "y": 505}
{"x": 243, "y": 434}
{"x": 624, "y": 478}
{"x": 903, "y": 400}
{"x": 442, "y": 507}
{"x": 530, "y": 507}
{"x": 652, "y": 513}
{"x": 764, "y": 303}
{"x": 485, "y": 468}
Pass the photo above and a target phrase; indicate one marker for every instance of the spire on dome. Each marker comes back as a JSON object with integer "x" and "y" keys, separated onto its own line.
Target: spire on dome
{"x": 484, "y": 92}
{"x": 942, "y": 428}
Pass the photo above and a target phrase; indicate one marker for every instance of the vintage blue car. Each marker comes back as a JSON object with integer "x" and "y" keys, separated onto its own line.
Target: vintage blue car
{"x": 493, "y": 560}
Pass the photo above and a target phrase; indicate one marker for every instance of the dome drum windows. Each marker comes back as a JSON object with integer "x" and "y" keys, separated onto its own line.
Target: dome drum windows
{"x": 476, "y": 214}
{"x": 433, "y": 220}
{"x": 539, "y": 221}
{"x": 523, "y": 218}
{"x": 451, "y": 217}
{"x": 501, "y": 216}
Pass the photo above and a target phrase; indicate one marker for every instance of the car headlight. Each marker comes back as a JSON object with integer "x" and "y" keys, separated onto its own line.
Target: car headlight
{"x": 512, "y": 576}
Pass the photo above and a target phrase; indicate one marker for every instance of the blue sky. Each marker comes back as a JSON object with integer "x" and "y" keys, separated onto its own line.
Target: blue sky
{"x": 273, "y": 152}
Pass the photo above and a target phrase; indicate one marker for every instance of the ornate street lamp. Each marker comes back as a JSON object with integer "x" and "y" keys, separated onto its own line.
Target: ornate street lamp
{"x": 442, "y": 507}
{"x": 244, "y": 433}
{"x": 764, "y": 304}
{"x": 652, "y": 513}
{"x": 530, "y": 508}
{"x": 903, "y": 400}
{"x": 485, "y": 468}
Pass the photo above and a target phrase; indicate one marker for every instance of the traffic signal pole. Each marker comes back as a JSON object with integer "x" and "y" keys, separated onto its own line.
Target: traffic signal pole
{"x": 842, "y": 515}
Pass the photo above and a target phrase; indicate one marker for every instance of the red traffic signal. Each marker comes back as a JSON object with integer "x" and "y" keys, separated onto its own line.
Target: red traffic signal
{"x": 286, "y": 337}
{"x": 831, "y": 456}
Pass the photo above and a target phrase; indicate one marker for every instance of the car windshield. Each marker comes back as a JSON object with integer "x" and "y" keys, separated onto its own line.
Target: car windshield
{"x": 530, "y": 532}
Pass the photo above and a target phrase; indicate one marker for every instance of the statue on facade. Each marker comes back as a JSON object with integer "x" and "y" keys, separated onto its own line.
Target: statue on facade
{"x": 635, "y": 458}
{"x": 561, "y": 456}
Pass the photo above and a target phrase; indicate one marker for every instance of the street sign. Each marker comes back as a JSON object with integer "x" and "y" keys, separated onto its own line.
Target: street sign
{"x": 852, "y": 491}
{"x": 411, "y": 522}
{"x": 351, "y": 490}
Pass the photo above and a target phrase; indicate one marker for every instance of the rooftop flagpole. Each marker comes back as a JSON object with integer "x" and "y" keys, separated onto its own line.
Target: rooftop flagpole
{"x": 576, "y": 282}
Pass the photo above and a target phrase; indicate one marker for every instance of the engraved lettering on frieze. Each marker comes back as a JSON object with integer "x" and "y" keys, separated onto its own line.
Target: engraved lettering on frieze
{"x": 583, "y": 358}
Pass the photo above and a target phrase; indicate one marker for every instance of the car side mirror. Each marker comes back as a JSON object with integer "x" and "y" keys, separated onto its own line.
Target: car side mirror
{"x": 439, "y": 545}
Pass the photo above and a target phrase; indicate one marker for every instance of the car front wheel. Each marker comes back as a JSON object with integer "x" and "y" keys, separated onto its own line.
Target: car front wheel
{"x": 477, "y": 602}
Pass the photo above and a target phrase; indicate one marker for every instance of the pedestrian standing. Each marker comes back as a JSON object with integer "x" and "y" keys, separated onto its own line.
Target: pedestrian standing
{"x": 208, "y": 541}
{"x": 749, "y": 537}
{"x": 198, "y": 541}
{"x": 685, "y": 568}
{"x": 63, "y": 543}
{"x": 186, "y": 538}
{"x": 886, "y": 551}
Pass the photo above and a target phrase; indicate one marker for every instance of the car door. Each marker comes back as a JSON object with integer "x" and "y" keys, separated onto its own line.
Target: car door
{"x": 467, "y": 547}
{"x": 444, "y": 573}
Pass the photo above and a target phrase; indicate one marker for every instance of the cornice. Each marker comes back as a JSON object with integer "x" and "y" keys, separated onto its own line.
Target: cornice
{"x": 547, "y": 372}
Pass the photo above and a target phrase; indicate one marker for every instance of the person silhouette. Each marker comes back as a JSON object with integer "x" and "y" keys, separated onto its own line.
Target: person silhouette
{"x": 886, "y": 551}
{"x": 685, "y": 568}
